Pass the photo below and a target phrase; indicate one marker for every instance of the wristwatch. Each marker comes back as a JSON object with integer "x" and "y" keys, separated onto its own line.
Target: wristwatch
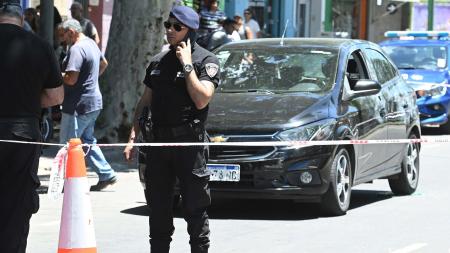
{"x": 188, "y": 68}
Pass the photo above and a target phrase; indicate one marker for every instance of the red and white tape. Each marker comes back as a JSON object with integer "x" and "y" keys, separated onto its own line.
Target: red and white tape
{"x": 263, "y": 143}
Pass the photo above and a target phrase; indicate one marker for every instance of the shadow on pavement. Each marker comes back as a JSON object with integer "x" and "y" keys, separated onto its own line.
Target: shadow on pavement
{"x": 271, "y": 209}
{"x": 139, "y": 210}
{"x": 361, "y": 198}
{"x": 432, "y": 131}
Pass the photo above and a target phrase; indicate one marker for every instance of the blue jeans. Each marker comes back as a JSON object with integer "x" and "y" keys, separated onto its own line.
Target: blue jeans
{"x": 82, "y": 126}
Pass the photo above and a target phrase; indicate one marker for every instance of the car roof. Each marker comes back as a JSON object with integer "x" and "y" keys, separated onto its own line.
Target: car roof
{"x": 417, "y": 42}
{"x": 297, "y": 42}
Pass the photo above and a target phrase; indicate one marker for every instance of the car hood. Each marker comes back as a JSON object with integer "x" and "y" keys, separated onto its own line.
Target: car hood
{"x": 265, "y": 112}
{"x": 415, "y": 77}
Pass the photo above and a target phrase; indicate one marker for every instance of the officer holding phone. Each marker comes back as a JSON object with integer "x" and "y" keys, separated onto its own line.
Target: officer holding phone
{"x": 179, "y": 83}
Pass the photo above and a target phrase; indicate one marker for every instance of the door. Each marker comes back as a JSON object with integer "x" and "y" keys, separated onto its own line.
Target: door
{"x": 302, "y": 18}
{"x": 372, "y": 121}
{"x": 386, "y": 74}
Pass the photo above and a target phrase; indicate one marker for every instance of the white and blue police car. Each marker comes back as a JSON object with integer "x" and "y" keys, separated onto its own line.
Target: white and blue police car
{"x": 422, "y": 58}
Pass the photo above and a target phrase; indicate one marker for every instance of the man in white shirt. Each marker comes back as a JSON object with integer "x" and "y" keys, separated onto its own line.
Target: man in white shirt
{"x": 252, "y": 24}
{"x": 225, "y": 35}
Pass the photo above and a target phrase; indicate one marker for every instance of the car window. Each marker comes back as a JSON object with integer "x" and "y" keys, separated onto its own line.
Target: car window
{"x": 384, "y": 71}
{"x": 418, "y": 57}
{"x": 277, "y": 69}
{"x": 356, "y": 69}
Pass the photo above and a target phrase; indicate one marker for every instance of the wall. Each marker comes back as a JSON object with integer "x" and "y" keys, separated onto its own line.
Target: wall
{"x": 235, "y": 7}
{"x": 381, "y": 21}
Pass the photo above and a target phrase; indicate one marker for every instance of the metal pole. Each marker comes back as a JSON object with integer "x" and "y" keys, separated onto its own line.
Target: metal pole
{"x": 85, "y": 4}
{"x": 328, "y": 26}
{"x": 46, "y": 21}
{"x": 430, "y": 14}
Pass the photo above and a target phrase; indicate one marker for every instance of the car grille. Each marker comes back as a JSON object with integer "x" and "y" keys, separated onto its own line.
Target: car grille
{"x": 238, "y": 152}
{"x": 218, "y": 153}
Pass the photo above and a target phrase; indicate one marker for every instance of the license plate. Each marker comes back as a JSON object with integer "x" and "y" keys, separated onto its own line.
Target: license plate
{"x": 224, "y": 172}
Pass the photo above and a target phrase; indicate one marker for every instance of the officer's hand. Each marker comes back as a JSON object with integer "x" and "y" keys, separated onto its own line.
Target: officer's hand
{"x": 128, "y": 152}
{"x": 184, "y": 52}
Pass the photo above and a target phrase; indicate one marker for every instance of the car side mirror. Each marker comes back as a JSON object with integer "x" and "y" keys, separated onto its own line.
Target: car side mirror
{"x": 369, "y": 86}
{"x": 363, "y": 88}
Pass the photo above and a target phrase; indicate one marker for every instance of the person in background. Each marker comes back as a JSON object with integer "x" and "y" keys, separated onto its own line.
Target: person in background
{"x": 30, "y": 79}
{"x": 252, "y": 24}
{"x": 225, "y": 35}
{"x": 211, "y": 19}
{"x": 76, "y": 10}
{"x": 243, "y": 30}
{"x": 83, "y": 100}
{"x": 32, "y": 18}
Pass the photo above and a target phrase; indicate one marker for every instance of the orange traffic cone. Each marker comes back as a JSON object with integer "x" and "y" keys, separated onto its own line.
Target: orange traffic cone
{"x": 76, "y": 233}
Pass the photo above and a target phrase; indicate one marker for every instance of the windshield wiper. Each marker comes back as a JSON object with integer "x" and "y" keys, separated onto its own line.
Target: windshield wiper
{"x": 261, "y": 91}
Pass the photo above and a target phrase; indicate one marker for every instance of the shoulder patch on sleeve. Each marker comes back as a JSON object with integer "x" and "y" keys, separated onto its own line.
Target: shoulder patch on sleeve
{"x": 211, "y": 69}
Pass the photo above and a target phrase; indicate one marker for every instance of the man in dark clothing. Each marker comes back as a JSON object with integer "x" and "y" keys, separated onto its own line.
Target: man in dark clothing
{"x": 179, "y": 83}
{"x": 29, "y": 79}
{"x": 76, "y": 11}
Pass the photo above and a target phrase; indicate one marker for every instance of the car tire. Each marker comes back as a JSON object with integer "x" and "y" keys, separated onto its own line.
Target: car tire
{"x": 336, "y": 200}
{"x": 445, "y": 128}
{"x": 407, "y": 180}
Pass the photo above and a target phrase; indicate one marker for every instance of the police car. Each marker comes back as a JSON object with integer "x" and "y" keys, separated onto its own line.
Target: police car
{"x": 423, "y": 60}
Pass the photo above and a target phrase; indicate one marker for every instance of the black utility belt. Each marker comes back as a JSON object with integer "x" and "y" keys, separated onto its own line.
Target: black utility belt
{"x": 26, "y": 120}
{"x": 178, "y": 131}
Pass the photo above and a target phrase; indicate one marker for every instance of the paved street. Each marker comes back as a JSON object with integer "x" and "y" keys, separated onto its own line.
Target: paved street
{"x": 376, "y": 222}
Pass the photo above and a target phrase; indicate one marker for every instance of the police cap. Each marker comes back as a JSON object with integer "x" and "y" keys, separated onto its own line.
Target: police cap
{"x": 186, "y": 15}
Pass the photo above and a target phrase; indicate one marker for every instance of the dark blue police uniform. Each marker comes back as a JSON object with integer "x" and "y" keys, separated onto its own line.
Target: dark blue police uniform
{"x": 175, "y": 118}
{"x": 27, "y": 67}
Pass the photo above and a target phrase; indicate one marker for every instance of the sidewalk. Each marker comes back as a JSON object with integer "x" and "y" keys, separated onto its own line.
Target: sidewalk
{"x": 112, "y": 154}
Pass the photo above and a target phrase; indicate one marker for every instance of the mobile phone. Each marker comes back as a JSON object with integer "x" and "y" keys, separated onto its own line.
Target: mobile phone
{"x": 192, "y": 36}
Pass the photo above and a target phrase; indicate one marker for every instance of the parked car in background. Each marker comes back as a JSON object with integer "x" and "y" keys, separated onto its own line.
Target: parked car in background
{"x": 423, "y": 60}
{"x": 308, "y": 90}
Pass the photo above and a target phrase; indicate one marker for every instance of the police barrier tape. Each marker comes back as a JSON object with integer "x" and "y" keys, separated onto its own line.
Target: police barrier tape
{"x": 262, "y": 143}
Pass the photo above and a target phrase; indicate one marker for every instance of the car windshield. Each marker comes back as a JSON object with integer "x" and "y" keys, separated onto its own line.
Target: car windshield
{"x": 418, "y": 57}
{"x": 277, "y": 69}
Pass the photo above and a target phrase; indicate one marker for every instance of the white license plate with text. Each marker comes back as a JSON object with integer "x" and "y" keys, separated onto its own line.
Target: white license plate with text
{"x": 224, "y": 172}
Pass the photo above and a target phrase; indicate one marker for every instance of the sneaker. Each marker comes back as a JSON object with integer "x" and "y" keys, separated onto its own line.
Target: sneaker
{"x": 103, "y": 184}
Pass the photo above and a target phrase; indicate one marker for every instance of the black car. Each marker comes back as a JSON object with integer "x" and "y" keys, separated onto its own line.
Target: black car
{"x": 310, "y": 89}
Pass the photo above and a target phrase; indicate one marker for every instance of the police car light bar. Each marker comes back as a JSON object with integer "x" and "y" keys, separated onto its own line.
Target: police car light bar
{"x": 397, "y": 34}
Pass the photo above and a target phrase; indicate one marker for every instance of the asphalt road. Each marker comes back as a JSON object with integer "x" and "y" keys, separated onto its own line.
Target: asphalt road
{"x": 376, "y": 222}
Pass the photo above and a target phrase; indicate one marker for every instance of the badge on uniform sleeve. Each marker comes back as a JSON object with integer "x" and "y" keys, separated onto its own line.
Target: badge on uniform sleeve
{"x": 211, "y": 69}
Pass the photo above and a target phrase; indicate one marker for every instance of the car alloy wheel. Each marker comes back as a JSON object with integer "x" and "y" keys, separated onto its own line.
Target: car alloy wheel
{"x": 406, "y": 182}
{"x": 336, "y": 200}
{"x": 411, "y": 170}
{"x": 342, "y": 180}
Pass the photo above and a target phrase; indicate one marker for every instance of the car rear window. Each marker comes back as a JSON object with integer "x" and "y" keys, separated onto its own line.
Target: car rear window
{"x": 277, "y": 69}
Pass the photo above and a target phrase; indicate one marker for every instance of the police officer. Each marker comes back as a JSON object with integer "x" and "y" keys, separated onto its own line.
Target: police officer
{"x": 29, "y": 79}
{"x": 179, "y": 83}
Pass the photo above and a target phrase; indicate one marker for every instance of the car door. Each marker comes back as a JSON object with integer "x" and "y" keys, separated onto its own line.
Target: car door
{"x": 372, "y": 122}
{"x": 387, "y": 75}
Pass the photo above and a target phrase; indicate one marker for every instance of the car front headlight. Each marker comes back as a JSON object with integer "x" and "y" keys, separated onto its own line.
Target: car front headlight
{"x": 317, "y": 131}
{"x": 436, "y": 90}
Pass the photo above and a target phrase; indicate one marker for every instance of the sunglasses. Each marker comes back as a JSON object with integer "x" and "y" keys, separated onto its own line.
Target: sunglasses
{"x": 177, "y": 26}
